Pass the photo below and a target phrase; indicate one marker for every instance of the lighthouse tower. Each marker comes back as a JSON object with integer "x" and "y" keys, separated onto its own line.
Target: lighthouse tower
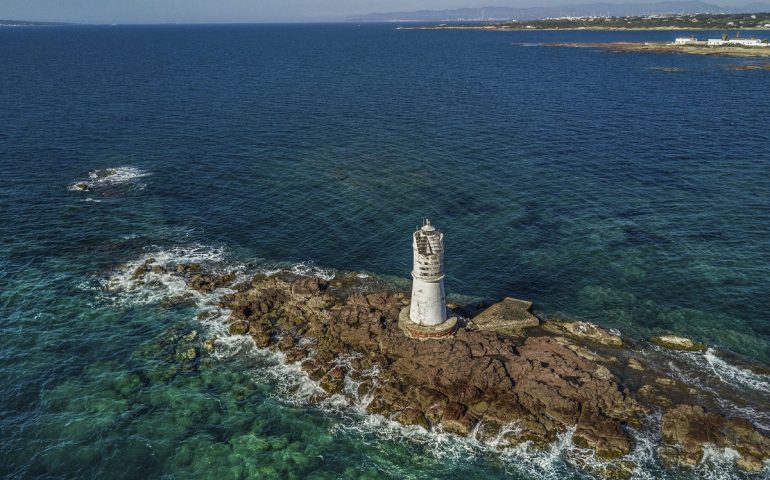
{"x": 428, "y": 297}
{"x": 427, "y": 316}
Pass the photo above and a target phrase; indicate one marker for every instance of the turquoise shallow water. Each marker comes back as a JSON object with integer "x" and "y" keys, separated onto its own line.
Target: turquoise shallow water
{"x": 591, "y": 183}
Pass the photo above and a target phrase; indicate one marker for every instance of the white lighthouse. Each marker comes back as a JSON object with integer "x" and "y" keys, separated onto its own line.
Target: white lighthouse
{"x": 426, "y": 317}
{"x": 428, "y": 297}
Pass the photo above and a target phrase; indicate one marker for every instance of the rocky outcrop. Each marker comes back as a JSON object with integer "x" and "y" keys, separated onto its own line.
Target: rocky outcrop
{"x": 475, "y": 378}
{"x": 499, "y": 376}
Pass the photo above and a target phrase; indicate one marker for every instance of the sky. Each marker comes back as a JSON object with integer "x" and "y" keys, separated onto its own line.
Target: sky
{"x": 216, "y": 11}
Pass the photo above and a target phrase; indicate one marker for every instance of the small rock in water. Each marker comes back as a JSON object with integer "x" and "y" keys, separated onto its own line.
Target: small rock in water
{"x": 210, "y": 345}
{"x": 107, "y": 172}
{"x": 188, "y": 267}
{"x": 673, "y": 342}
{"x": 670, "y": 69}
{"x": 584, "y": 331}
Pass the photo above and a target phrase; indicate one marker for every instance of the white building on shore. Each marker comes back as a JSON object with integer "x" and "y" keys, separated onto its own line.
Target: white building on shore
{"x": 688, "y": 41}
{"x": 746, "y": 42}
{"x": 722, "y": 42}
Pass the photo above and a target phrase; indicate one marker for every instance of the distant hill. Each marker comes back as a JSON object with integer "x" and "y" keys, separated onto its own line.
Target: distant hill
{"x": 23, "y": 23}
{"x": 536, "y": 13}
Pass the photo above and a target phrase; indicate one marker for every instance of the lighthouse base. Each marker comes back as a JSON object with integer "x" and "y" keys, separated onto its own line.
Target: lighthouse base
{"x": 426, "y": 332}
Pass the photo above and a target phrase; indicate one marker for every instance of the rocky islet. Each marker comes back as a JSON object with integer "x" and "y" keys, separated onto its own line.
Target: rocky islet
{"x": 506, "y": 376}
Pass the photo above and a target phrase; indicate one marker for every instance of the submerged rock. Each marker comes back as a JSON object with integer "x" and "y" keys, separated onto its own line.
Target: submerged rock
{"x": 584, "y": 331}
{"x": 146, "y": 267}
{"x": 103, "y": 173}
{"x": 673, "y": 342}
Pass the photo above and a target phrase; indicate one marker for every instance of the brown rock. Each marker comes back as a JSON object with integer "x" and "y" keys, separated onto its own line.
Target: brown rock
{"x": 687, "y": 429}
{"x": 455, "y": 419}
{"x": 412, "y": 416}
{"x": 188, "y": 267}
{"x": 239, "y": 328}
{"x": 206, "y": 283}
{"x": 604, "y": 436}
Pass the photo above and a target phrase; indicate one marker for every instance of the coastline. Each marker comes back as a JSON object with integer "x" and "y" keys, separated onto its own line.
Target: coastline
{"x": 502, "y": 379}
{"x": 495, "y": 28}
{"x": 659, "y": 47}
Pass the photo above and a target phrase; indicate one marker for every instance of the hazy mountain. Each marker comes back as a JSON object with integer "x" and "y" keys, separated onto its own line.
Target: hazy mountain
{"x": 24, "y": 23}
{"x": 535, "y": 13}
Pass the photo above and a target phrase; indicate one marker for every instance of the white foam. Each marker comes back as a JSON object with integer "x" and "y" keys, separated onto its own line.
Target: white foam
{"x": 154, "y": 287}
{"x": 717, "y": 464}
{"x": 731, "y": 375}
{"x": 716, "y": 369}
{"x": 711, "y": 373}
{"x": 309, "y": 270}
{"x": 110, "y": 177}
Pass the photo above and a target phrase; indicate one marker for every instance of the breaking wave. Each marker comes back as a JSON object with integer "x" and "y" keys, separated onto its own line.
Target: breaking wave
{"x": 729, "y": 383}
{"x": 732, "y": 375}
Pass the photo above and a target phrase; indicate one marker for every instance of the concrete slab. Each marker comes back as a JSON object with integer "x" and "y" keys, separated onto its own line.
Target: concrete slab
{"x": 510, "y": 316}
{"x": 425, "y": 332}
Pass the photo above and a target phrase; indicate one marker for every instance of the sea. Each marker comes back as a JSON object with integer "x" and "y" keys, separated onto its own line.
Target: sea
{"x": 628, "y": 190}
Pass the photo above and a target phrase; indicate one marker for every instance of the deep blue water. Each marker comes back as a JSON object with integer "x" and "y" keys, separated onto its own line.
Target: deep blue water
{"x": 592, "y": 183}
